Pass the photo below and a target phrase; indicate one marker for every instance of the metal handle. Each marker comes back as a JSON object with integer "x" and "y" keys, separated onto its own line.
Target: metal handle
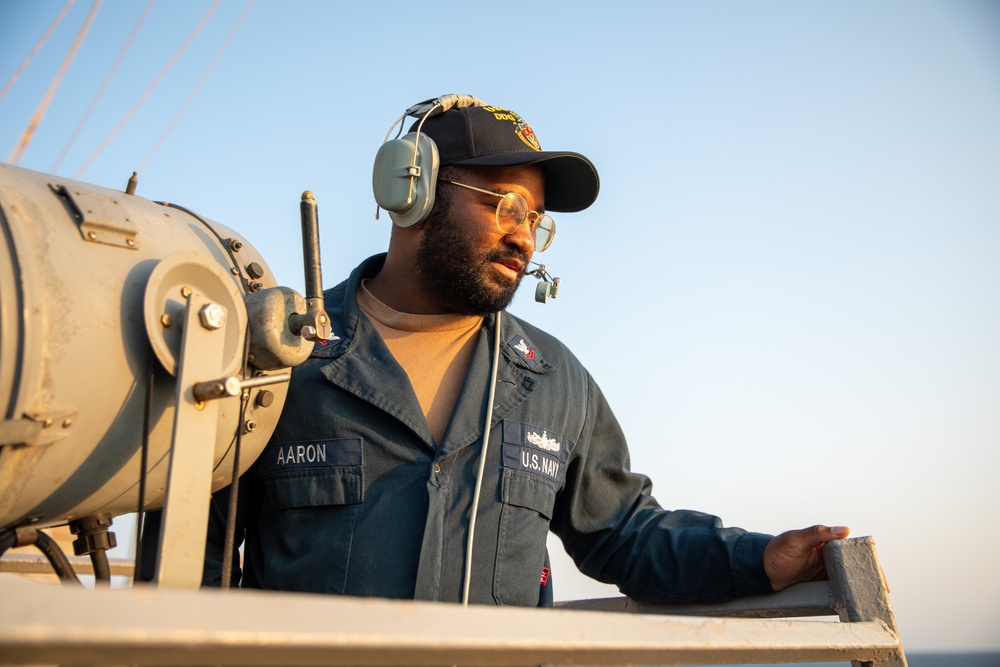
{"x": 232, "y": 386}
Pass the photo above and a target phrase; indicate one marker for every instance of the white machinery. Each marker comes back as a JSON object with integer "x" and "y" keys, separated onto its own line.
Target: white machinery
{"x": 141, "y": 348}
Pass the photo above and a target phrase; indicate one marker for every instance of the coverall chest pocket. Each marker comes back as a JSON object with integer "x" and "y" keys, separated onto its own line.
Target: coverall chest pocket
{"x": 524, "y": 525}
{"x": 534, "y": 466}
{"x": 313, "y": 497}
{"x": 317, "y": 487}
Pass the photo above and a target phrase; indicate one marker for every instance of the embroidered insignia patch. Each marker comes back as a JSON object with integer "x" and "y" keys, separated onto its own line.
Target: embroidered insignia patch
{"x": 524, "y": 349}
{"x": 542, "y": 441}
{"x": 535, "y": 450}
{"x": 333, "y": 339}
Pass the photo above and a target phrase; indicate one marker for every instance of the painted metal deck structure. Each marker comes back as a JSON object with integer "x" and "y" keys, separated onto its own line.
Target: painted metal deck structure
{"x": 145, "y": 625}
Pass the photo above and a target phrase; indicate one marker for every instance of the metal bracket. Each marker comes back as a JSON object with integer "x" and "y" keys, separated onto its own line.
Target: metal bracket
{"x": 37, "y": 428}
{"x": 101, "y": 219}
{"x": 189, "y": 480}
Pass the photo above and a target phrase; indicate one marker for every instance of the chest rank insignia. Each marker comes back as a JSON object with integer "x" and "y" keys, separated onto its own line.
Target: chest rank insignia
{"x": 543, "y": 441}
{"x": 334, "y": 338}
{"x": 523, "y": 348}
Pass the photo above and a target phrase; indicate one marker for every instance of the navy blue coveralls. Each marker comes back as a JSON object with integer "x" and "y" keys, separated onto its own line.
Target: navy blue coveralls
{"x": 351, "y": 495}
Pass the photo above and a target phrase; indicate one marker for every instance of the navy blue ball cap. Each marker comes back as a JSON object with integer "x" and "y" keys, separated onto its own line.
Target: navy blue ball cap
{"x": 488, "y": 136}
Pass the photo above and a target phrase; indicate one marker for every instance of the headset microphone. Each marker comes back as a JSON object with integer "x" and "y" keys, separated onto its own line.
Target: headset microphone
{"x": 548, "y": 287}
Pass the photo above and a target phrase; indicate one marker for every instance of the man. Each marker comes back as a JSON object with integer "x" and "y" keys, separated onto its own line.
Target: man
{"x": 397, "y": 408}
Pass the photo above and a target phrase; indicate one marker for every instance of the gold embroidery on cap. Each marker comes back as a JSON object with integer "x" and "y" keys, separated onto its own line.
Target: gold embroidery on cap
{"x": 521, "y": 128}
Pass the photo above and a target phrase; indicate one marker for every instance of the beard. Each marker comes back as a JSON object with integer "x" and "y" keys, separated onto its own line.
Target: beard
{"x": 459, "y": 273}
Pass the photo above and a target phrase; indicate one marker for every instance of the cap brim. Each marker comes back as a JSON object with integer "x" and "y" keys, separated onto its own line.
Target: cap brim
{"x": 571, "y": 180}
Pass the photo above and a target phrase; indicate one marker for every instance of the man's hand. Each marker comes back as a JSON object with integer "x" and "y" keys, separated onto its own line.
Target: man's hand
{"x": 797, "y": 555}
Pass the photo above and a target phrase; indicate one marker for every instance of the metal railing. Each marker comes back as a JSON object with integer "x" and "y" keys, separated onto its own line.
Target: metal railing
{"x": 159, "y": 626}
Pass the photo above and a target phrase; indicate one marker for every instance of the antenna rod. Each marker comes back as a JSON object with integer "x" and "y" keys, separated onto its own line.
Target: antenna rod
{"x": 310, "y": 249}
{"x": 315, "y": 324}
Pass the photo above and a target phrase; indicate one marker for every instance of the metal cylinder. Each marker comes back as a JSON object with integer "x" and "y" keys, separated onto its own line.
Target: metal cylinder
{"x": 75, "y": 260}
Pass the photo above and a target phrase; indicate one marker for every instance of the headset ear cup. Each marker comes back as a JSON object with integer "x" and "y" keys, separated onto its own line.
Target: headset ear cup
{"x": 404, "y": 184}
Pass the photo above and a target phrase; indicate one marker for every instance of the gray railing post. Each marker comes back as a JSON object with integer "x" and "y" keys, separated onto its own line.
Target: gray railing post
{"x": 860, "y": 592}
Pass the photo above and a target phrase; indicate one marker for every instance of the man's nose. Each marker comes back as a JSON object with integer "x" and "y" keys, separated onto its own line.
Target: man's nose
{"x": 523, "y": 238}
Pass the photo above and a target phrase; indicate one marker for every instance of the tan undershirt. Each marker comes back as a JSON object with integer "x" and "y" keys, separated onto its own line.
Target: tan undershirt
{"x": 434, "y": 350}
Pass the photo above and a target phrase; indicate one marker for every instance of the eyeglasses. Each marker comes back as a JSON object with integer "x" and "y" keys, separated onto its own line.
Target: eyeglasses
{"x": 512, "y": 211}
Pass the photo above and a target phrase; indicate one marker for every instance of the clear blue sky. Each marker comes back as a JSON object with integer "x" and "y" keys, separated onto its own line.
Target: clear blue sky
{"x": 789, "y": 286}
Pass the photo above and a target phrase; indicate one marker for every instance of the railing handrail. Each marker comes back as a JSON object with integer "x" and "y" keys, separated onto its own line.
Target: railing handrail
{"x": 161, "y": 626}
{"x": 809, "y": 599}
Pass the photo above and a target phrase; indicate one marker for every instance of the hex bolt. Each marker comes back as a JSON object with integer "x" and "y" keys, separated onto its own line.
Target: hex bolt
{"x": 186, "y": 291}
{"x": 250, "y": 425}
{"x": 166, "y": 320}
{"x": 212, "y": 315}
{"x": 235, "y": 245}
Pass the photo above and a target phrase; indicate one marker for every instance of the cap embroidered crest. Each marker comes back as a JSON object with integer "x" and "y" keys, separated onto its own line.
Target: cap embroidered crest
{"x": 525, "y": 132}
{"x": 527, "y": 135}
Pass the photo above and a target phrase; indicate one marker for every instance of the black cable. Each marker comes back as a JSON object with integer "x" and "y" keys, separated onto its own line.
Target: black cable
{"x": 11, "y": 538}
{"x": 49, "y": 547}
{"x": 234, "y": 488}
{"x": 8, "y": 540}
{"x": 236, "y": 265}
{"x": 147, "y": 417}
{"x": 234, "y": 491}
{"x": 102, "y": 569}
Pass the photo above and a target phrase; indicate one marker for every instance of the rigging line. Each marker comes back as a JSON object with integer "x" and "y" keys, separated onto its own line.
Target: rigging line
{"x": 43, "y": 106}
{"x": 38, "y": 47}
{"x": 146, "y": 93}
{"x": 197, "y": 88}
{"x": 104, "y": 85}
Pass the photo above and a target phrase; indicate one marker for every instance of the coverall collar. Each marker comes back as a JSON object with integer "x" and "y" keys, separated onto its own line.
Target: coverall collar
{"x": 359, "y": 362}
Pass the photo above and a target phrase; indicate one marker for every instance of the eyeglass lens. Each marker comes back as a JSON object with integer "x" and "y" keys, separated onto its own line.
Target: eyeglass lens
{"x": 511, "y": 212}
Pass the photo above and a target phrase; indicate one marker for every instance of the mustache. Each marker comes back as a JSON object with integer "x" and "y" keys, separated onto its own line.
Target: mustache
{"x": 502, "y": 256}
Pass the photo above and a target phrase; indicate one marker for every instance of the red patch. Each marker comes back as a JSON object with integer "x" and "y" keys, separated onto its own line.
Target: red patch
{"x": 530, "y": 355}
{"x": 545, "y": 576}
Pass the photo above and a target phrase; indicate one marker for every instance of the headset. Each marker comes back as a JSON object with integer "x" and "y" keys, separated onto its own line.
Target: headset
{"x": 406, "y": 168}
{"x": 404, "y": 177}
